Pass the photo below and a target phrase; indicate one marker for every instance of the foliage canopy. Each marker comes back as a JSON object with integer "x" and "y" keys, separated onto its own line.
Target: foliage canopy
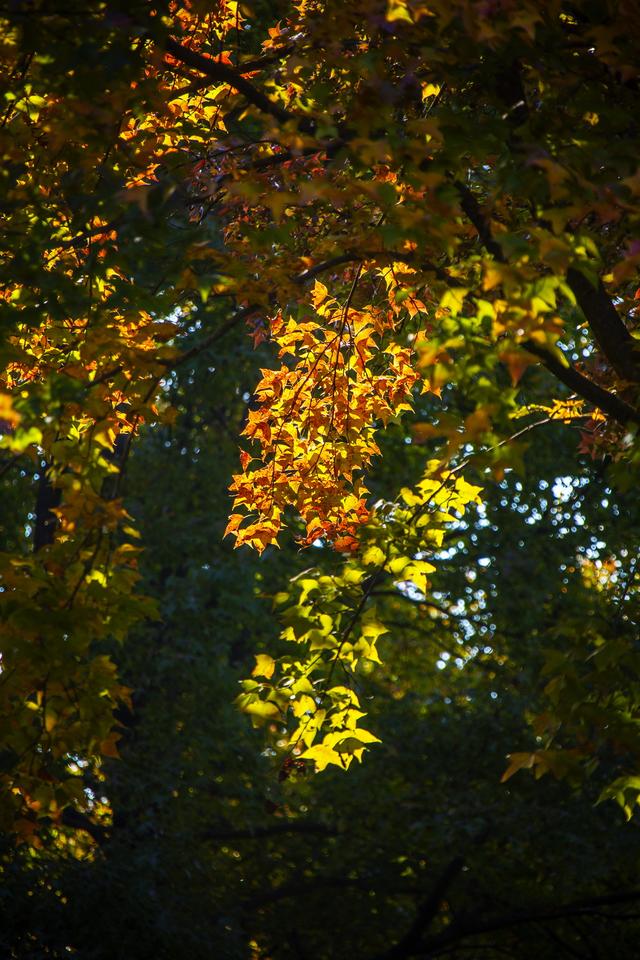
{"x": 426, "y": 214}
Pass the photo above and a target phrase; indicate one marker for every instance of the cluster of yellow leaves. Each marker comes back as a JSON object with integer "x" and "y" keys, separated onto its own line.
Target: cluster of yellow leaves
{"x": 340, "y": 378}
{"x": 333, "y": 623}
{"x": 573, "y": 408}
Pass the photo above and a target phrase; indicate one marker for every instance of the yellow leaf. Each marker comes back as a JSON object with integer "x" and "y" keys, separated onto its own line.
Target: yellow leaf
{"x": 304, "y": 705}
{"x": 398, "y": 10}
{"x": 374, "y": 556}
{"x": 453, "y": 299}
{"x": 322, "y": 757}
{"x": 518, "y": 761}
{"x": 265, "y": 665}
{"x": 319, "y": 294}
{"x": 430, "y": 90}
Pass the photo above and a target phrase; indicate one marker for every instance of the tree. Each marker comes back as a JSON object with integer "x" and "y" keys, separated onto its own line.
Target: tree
{"x": 463, "y": 178}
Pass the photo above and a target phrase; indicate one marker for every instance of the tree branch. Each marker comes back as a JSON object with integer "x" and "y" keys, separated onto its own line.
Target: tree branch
{"x": 409, "y": 944}
{"x": 213, "y": 337}
{"x": 471, "y": 208}
{"x": 612, "y": 336}
{"x": 47, "y": 500}
{"x": 610, "y": 333}
{"x": 223, "y": 73}
{"x": 607, "y": 402}
{"x": 249, "y": 67}
{"x": 469, "y": 927}
{"x": 377, "y": 255}
{"x": 80, "y": 821}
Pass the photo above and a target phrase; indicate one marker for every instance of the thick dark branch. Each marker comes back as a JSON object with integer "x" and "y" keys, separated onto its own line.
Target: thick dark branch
{"x": 607, "y": 402}
{"x": 243, "y": 68}
{"x": 469, "y": 927}
{"x": 80, "y": 821}
{"x": 410, "y": 943}
{"x": 386, "y": 256}
{"x": 223, "y": 73}
{"x": 610, "y": 333}
{"x": 47, "y": 500}
{"x": 324, "y": 265}
{"x": 471, "y": 209}
{"x": 613, "y": 338}
{"x": 249, "y": 65}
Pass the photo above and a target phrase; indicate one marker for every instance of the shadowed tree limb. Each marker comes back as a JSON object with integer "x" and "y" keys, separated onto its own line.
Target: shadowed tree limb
{"x": 47, "y": 500}
{"x": 470, "y": 927}
{"x": 410, "y": 943}
{"x": 242, "y": 69}
{"x": 585, "y": 388}
{"x": 223, "y": 73}
{"x": 612, "y": 336}
{"x": 609, "y": 331}
{"x": 471, "y": 208}
{"x": 80, "y": 821}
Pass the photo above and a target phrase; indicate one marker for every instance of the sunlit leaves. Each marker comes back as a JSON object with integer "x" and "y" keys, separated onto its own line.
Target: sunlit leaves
{"x": 396, "y": 201}
{"x": 314, "y": 428}
{"x": 334, "y": 627}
